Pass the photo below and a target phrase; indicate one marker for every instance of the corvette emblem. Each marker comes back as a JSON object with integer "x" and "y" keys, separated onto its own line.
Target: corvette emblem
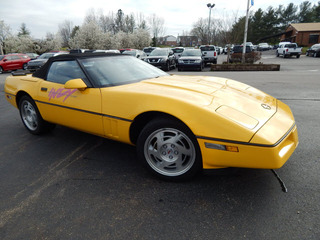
{"x": 265, "y": 106}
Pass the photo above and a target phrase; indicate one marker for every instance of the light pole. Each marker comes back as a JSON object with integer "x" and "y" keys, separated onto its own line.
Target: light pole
{"x": 210, "y": 6}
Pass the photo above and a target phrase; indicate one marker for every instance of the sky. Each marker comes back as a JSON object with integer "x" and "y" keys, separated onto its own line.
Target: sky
{"x": 43, "y": 16}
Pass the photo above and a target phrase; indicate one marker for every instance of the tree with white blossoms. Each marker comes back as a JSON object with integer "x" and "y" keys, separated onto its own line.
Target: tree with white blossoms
{"x": 52, "y": 42}
{"x": 140, "y": 38}
{"x": 16, "y": 44}
{"x": 89, "y": 36}
{"x": 4, "y": 34}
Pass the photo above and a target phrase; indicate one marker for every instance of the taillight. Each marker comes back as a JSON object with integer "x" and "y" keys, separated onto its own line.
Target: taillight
{"x": 215, "y": 54}
{"x": 287, "y": 50}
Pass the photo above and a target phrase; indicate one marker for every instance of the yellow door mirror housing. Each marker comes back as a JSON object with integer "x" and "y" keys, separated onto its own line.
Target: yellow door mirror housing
{"x": 75, "y": 84}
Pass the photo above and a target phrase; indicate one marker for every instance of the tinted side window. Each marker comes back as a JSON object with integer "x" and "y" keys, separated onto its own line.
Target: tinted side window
{"x": 63, "y": 71}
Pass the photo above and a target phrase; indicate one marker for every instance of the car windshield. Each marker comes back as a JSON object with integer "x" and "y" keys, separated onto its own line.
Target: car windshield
{"x": 208, "y": 48}
{"x": 177, "y": 50}
{"x": 193, "y": 52}
{"x": 46, "y": 56}
{"x": 132, "y": 53}
{"x": 148, "y": 50}
{"x": 159, "y": 52}
{"x": 119, "y": 70}
{"x": 290, "y": 45}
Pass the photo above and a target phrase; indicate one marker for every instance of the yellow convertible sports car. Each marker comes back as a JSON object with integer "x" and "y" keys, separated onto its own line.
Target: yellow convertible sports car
{"x": 179, "y": 124}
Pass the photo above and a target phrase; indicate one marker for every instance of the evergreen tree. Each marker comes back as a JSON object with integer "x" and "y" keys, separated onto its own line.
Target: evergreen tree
{"x": 23, "y": 30}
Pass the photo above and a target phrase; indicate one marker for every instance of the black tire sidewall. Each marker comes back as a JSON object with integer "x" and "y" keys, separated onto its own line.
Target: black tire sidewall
{"x": 41, "y": 123}
{"x": 175, "y": 124}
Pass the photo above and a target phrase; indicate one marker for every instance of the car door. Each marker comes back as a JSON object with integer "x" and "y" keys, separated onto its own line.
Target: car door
{"x": 8, "y": 63}
{"x": 76, "y": 108}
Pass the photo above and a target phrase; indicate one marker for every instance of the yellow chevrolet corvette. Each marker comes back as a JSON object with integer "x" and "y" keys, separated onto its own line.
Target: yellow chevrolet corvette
{"x": 179, "y": 124}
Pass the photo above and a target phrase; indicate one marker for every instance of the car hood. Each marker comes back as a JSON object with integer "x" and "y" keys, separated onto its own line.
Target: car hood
{"x": 37, "y": 62}
{"x": 230, "y": 99}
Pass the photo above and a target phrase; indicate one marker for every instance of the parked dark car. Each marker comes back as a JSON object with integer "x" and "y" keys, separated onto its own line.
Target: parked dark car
{"x": 177, "y": 52}
{"x": 191, "y": 59}
{"x": 251, "y": 56}
{"x": 162, "y": 58}
{"x": 42, "y": 59}
{"x": 32, "y": 55}
{"x": 239, "y": 49}
{"x": 135, "y": 53}
{"x": 314, "y": 50}
{"x": 148, "y": 50}
{"x": 13, "y": 62}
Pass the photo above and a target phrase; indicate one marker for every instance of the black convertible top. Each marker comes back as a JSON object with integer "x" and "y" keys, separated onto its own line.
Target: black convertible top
{"x": 42, "y": 72}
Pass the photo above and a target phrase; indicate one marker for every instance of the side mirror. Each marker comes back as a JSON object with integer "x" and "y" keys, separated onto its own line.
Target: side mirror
{"x": 75, "y": 84}
{"x": 5, "y": 60}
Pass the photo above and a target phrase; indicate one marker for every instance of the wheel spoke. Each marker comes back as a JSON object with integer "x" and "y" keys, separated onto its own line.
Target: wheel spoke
{"x": 169, "y": 152}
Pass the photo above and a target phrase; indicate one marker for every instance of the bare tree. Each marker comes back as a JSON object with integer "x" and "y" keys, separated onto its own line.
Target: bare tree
{"x": 65, "y": 31}
{"x": 129, "y": 23}
{"x": 200, "y": 29}
{"x": 105, "y": 22}
{"x": 91, "y": 16}
{"x": 141, "y": 21}
{"x": 157, "y": 27}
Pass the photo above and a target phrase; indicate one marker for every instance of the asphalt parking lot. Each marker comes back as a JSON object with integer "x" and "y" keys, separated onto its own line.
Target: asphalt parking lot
{"x": 71, "y": 185}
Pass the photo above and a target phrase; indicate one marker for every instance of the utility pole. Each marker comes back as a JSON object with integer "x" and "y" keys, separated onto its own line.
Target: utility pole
{"x": 210, "y": 6}
{"x": 246, "y": 32}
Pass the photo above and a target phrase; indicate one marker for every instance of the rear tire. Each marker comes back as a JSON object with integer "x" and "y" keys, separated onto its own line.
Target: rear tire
{"x": 24, "y": 66}
{"x": 31, "y": 117}
{"x": 169, "y": 150}
{"x": 1, "y": 70}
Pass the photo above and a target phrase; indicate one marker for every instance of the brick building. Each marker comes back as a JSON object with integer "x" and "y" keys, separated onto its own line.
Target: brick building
{"x": 304, "y": 34}
{"x": 168, "y": 40}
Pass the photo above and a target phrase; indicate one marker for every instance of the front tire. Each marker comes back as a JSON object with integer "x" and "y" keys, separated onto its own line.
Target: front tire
{"x": 169, "y": 150}
{"x": 1, "y": 70}
{"x": 168, "y": 66}
{"x": 31, "y": 117}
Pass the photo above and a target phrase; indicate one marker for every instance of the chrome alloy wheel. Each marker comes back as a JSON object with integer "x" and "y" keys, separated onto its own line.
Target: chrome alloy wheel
{"x": 29, "y": 115}
{"x": 169, "y": 152}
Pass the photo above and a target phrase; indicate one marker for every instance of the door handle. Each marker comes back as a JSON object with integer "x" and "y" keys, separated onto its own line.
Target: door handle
{"x": 44, "y": 89}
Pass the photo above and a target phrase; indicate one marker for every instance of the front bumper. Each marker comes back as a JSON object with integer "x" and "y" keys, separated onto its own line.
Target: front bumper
{"x": 210, "y": 59}
{"x": 249, "y": 155}
{"x": 189, "y": 66}
{"x": 159, "y": 64}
